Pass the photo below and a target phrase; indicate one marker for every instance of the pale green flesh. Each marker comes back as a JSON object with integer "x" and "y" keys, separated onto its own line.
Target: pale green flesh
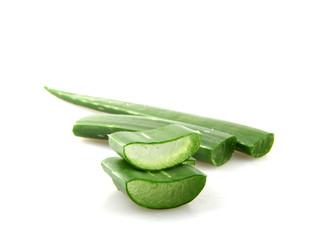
{"x": 164, "y": 195}
{"x": 159, "y": 156}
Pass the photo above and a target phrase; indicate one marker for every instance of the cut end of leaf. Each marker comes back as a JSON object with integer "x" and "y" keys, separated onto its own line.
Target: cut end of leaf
{"x": 263, "y": 145}
{"x": 165, "y": 195}
{"x": 164, "y": 189}
{"x": 224, "y": 151}
{"x": 162, "y": 155}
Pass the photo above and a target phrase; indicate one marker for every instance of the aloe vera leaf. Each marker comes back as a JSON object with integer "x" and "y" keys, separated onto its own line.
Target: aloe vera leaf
{"x": 252, "y": 141}
{"x": 215, "y": 148}
{"x": 163, "y": 189}
{"x": 156, "y": 149}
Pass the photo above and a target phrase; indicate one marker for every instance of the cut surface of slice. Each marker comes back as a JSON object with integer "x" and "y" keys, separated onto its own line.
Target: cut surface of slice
{"x": 156, "y": 149}
{"x": 159, "y": 195}
{"x": 163, "y": 189}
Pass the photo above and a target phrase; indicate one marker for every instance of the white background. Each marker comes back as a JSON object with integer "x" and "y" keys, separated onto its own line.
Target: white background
{"x": 251, "y": 62}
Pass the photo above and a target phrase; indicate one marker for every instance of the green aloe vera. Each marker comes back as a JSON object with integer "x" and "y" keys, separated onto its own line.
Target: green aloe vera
{"x": 190, "y": 161}
{"x": 252, "y": 141}
{"x": 215, "y": 148}
{"x": 163, "y": 189}
{"x": 158, "y": 148}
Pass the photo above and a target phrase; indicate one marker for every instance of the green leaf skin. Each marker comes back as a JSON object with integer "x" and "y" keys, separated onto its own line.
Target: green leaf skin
{"x": 216, "y": 147}
{"x": 164, "y": 189}
{"x": 158, "y": 148}
{"x": 191, "y": 161}
{"x": 252, "y": 141}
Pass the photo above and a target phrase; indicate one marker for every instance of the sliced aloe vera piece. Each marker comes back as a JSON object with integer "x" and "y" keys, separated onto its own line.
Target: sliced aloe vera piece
{"x": 168, "y": 188}
{"x": 252, "y": 141}
{"x": 216, "y": 147}
{"x": 158, "y": 148}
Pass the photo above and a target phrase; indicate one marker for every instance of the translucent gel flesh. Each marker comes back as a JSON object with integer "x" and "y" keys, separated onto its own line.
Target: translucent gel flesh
{"x": 158, "y": 156}
{"x": 165, "y": 195}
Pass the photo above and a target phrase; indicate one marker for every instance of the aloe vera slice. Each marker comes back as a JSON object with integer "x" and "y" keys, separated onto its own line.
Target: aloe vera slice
{"x": 252, "y": 141}
{"x": 215, "y": 148}
{"x": 168, "y": 188}
{"x": 158, "y": 148}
